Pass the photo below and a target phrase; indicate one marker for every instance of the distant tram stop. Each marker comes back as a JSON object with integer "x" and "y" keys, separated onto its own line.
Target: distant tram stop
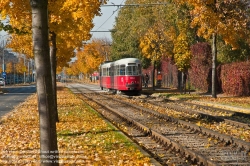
{"x": 159, "y": 79}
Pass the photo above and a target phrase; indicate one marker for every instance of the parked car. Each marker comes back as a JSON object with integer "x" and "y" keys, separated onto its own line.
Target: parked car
{"x": 2, "y": 82}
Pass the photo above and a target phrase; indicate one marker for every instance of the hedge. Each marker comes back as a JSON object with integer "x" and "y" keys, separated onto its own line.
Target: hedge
{"x": 235, "y": 78}
{"x": 201, "y": 64}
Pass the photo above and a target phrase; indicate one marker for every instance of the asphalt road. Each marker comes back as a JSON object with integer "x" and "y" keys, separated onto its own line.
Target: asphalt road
{"x": 14, "y": 95}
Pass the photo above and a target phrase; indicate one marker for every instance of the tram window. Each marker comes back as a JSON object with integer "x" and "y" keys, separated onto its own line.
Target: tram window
{"x": 122, "y": 69}
{"x": 111, "y": 71}
{"x": 116, "y": 70}
{"x": 107, "y": 71}
{"x": 135, "y": 70}
{"x": 104, "y": 71}
{"x": 131, "y": 70}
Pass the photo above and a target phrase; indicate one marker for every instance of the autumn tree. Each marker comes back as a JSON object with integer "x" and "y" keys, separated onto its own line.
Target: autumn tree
{"x": 71, "y": 21}
{"x": 21, "y": 44}
{"x": 181, "y": 51}
{"x": 9, "y": 67}
{"x": 104, "y": 47}
{"x": 131, "y": 26}
{"x": 72, "y": 70}
{"x": 227, "y": 55}
{"x": 227, "y": 19}
{"x": 131, "y": 23}
{"x": 66, "y": 21}
{"x": 153, "y": 45}
{"x": 175, "y": 36}
{"x": 20, "y": 67}
{"x": 48, "y": 137}
{"x": 91, "y": 55}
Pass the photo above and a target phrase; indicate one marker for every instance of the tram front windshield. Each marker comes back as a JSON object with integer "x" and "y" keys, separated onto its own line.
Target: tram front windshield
{"x": 132, "y": 70}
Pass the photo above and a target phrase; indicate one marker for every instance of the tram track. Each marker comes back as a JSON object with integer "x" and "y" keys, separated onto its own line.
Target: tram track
{"x": 220, "y": 120}
{"x": 171, "y": 140}
{"x": 231, "y": 117}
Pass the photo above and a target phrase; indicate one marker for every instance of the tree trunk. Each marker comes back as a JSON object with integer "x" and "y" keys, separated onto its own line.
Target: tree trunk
{"x": 53, "y": 71}
{"x": 40, "y": 34}
{"x": 153, "y": 79}
{"x": 179, "y": 78}
{"x": 183, "y": 82}
{"x": 214, "y": 64}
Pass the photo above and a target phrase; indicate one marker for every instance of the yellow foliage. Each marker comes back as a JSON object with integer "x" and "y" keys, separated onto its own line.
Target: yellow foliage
{"x": 22, "y": 44}
{"x": 154, "y": 44}
{"x": 71, "y": 20}
{"x": 20, "y": 67}
{"x": 225, "y": 18}
{"x": 182, "y": 54}
{"x": 9, "y": 67}
{"x": 91, "y": 56}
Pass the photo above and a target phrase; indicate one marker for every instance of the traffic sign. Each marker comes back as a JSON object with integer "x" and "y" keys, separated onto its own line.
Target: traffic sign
{"x": 4, "y": 74}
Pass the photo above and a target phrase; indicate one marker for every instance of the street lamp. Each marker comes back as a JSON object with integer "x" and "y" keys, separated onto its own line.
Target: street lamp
{"x": 3, "y": 66}
{"x": 3, "y": 47}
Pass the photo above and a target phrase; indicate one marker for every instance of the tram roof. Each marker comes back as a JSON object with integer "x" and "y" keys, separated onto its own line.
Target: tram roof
{"x": 127, "y": 60}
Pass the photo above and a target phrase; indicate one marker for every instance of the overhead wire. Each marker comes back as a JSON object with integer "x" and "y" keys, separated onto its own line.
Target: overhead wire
{"x": 116, "y": 11}
{"x": 106, "y": 20}
{"x": 109, "y": 17}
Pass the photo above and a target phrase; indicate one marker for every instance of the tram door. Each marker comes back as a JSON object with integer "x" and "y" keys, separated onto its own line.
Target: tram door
{"x": 112, "y": 79}
{"x": 100, "y": 77}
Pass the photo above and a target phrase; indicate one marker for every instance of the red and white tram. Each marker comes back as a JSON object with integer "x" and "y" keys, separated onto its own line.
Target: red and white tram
{"x": 123, "y": 75}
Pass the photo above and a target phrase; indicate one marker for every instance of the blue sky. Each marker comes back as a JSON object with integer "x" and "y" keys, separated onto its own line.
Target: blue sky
{"x": 107, "y": 20}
